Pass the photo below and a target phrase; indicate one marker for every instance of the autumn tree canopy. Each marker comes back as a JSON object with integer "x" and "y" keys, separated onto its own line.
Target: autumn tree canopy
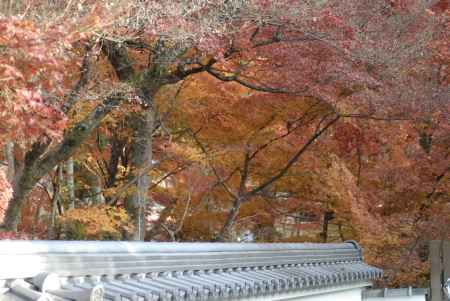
{"x": 200, "y": 120}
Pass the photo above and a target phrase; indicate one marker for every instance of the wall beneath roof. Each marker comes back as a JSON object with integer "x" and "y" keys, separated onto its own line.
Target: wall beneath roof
{"x": 405, "y": 298}
{"x": 349, "y": 293}
{"x": 398, "y": 294}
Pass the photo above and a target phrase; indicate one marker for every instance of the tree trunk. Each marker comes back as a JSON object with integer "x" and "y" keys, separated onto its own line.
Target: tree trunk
{"x": 97, "y": 191}
{"x": 70, "y": 183}
{"x": 37, "y": 164}
{"x": 231, "y": 218}
{"x": 341, "y": 232}
{"x": 141, "y": 160}
{"x": 56, "y": 198}
{"x": 327, "y": 217}
{"x": 24, "y": 185}
{"x": 9, "y": 156}
{"x": 59, "y": 194}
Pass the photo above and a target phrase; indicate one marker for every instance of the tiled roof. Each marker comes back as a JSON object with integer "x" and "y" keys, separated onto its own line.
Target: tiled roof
{"x": 74, "y": 270}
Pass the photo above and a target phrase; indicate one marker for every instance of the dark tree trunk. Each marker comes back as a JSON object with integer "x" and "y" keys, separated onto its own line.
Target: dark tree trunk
{"x": 70, "y": 182}
{"x": 231, "y": 218}
{"x": 9, "y": 155}
{"x": 141, "y": 161}
{"x": 327, "y": 217}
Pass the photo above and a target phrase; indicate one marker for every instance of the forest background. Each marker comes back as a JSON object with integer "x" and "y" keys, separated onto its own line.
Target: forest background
{"x": 220, "y": 120}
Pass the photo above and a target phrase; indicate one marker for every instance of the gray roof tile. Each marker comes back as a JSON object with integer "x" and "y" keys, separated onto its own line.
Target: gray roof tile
{"x": 59, "y": 270}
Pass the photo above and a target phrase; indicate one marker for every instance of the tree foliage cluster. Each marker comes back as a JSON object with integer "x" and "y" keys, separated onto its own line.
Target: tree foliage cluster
{"x": 205, "y": 120}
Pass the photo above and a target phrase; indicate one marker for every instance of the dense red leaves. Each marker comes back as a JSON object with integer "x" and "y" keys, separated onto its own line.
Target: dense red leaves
{"x": 5, "y": 194}
{"x": 13, "y": 235}
{"x": 32, "y": 74}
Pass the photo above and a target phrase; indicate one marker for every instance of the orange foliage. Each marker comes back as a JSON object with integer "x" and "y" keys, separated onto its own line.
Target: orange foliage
{"x": 95, "y": 222}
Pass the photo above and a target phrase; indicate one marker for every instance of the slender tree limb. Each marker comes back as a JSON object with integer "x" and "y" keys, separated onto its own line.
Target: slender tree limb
{"x": 214, "y": 170}
{"x": 170, "y": 232}
{"x": 132, "y": 181}
{"x": 226, "y": 179}
{"x": 236, "y": 78}
{"x": 294, "y": 158}
{"x": 163, "y": 215}
{"x": 291, "y": 129}
{"x": 185, "y": 212}
{"x": 244, "y": 173}
{"x": 373, "y": 117}
{"x": 85, "y": 76}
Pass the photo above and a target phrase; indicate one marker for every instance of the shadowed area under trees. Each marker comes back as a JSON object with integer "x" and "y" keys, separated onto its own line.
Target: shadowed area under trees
{"x": 225, "y": 120}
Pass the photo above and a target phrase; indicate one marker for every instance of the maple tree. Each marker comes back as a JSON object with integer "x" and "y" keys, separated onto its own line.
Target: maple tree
{"x": 230, "y": 115}
{"x": 35, "y": 94}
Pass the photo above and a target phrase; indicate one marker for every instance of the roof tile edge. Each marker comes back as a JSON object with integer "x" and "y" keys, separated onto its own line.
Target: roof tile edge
{"x": 196, "y": 269}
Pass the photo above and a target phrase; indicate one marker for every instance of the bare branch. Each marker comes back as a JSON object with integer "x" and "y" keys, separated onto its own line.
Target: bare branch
{"x": 244, "y": 173}
{"x": 377, "y": 118}
{"x": 216, "y": 173}
{"x": 146, "y": 169}
{"x": 236, "y": 78}
{"x": 293, "y": 159}
{"x": 85, "y": 75}
{"x": 185, "y": 212}
{"x": 298, "y": 123}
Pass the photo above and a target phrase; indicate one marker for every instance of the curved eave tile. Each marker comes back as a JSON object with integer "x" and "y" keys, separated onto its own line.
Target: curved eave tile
{"x": 120, "y": 271}
{"x": 219, "y": 284}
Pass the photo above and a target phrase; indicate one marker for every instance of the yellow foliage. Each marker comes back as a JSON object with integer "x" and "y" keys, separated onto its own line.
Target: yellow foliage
{"x": 96, "y": 222}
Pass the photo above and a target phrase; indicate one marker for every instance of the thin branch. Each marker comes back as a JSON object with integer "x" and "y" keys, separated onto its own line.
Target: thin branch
{"x": 146, "y": 169}
{"x": 167, "y": 175}
{"x": 216, "y": 173}
{"x": 429, "y": 197}
{"x": 226, "y": 179}
{"x": 289, "y": 131}
{"x": 170, "y": 232}
{"x": 377, "y": 118}
{"x": 183, "y": 72}
{"x": 186, "y": 210}
{"x": 238, "y": 79}
{"x": 244, "y": 174}
{"x": 360, "y": 163}
{"x": 85, "y": 75}
{"x": 293, "y": 159}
